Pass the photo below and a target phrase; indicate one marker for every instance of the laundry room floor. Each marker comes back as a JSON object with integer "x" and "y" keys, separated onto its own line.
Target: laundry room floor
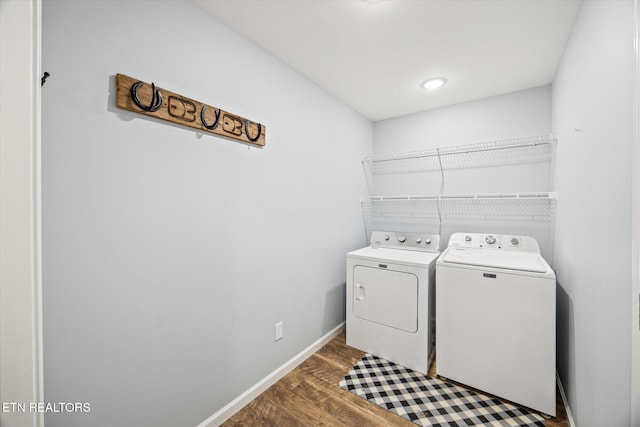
{"x": 310, "y": 396}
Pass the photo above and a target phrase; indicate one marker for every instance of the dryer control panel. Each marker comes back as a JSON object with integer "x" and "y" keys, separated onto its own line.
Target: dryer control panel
{"x": 411, "y": 241}
{"x": 506, "y": 242}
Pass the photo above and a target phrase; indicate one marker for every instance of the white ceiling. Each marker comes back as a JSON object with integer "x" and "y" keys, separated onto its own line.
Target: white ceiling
{"x": 374, "y": 55}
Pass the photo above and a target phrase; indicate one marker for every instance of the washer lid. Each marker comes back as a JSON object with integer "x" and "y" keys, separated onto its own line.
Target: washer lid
{"x": 521, "y": 261}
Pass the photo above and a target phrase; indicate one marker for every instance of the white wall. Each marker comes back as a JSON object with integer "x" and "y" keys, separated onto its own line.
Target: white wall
{"x": 592, "y": 92}
{"x": 514, "y": 115}
{"x": 170, "y": 255}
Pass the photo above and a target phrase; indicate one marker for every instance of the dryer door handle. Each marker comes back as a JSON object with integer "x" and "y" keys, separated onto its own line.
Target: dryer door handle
{"x": 359, "y": 292}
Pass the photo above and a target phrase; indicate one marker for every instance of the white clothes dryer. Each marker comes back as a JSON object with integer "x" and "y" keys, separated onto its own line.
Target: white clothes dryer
{"x": 496, "y": 318}
{"x": 390, "y": 297}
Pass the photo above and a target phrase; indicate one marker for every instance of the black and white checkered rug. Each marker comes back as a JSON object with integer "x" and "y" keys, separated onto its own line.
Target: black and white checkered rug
{"x": 429, "y": 401}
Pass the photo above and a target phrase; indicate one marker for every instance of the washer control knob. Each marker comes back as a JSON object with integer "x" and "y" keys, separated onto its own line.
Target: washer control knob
{"x": 401, "y": 239}
{"x": 515, "y": 241}
{"x": 467, "y": 238}
{"x": 428, "y": 241}
{"x": 490, "y": 240}
{"x": 418, "y": 239}
{"x": 386, "y": 237}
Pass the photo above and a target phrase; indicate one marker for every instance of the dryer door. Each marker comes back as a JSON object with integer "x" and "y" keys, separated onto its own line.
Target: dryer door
{"x": 386, "y": 296}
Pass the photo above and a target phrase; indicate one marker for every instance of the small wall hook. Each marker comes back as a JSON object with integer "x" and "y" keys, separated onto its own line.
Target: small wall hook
{"x": 156, "y": 98}
{"x": 44, "y": 78}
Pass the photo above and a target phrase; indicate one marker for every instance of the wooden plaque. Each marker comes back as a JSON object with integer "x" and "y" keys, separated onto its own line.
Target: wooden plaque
{"x": 145, "y": 98}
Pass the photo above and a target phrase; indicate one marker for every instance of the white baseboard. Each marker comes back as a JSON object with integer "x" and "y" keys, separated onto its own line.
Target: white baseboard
{"x": 566, "y": 403}
{"x": 241, "y": 401}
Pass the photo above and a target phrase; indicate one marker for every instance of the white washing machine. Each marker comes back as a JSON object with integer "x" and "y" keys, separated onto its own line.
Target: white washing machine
{"x": 390, "y": 297}
{"x": 496, "y": 318}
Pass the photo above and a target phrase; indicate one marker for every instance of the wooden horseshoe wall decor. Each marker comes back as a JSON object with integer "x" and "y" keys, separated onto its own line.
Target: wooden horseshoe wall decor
{"x": 144, "y": 98}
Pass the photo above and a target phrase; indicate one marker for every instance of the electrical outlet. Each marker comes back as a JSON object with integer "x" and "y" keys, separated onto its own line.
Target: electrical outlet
{"x": 279, "y": 330}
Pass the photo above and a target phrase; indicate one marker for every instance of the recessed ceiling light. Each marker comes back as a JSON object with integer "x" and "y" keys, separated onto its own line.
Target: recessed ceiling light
{"x": 434, "y": 83}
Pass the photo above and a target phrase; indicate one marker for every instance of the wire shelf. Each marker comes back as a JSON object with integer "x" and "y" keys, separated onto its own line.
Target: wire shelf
{"x": 494, "y": 169}
{"x": 534, "y": 149}
{"x": 536, "y": 207}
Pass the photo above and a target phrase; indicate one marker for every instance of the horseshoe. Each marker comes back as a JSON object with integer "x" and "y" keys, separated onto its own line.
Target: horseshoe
{"x": 204, "y": 122}
{"x": 156, "y": 99}
{"x": 246, "y": 131}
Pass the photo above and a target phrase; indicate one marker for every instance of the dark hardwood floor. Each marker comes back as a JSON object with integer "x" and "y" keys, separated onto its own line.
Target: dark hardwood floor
{"x": 310, "y": 396}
